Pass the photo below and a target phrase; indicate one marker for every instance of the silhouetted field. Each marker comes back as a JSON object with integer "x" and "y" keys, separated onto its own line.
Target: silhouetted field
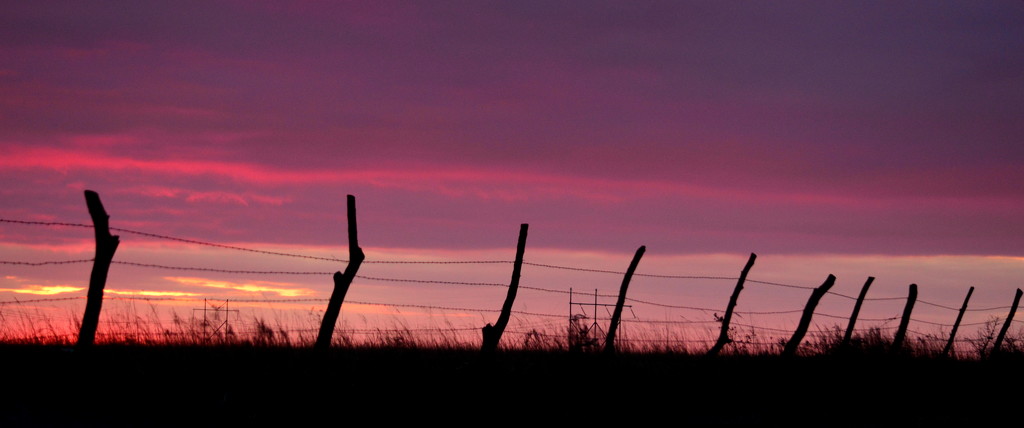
{"x": 253, "y": 385}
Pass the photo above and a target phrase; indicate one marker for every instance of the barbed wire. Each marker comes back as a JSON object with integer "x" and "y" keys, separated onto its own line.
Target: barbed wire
{"x": 290, "y": 300}
{"x": 846, "y": 317}
{"x": 866, "y": 299}
{"x": 45, "y": 223}
{"x": 170, "y": 238}
{"x": 265, "y": 272}
{"x": 790, "y": 331}
{"x": 779, "y": 284}
{"x": 443, "y": 308}
{"x": 650, "y": 321}
{"x": 925, "y": 302}
{"x": 401, "y": 280}
{"x": 244, "y": 249}
{"x": 372, "y": 278}
{"x": 972, "y": 324}
{"x": 645, "y": 275}
{"x": 805, "y": 287}
{"x": 842, "y": 295}
{"x": 335, "y": 259}
{"x": 353, "y": 302}
{"x": 756, "y": 327}
{"x": 423, "y": 281}
{"x": 930, "y": 323}
{"x": 664, "y": 305}
{"x": 224, "y": 246}
{"x": 994, "y": 308}
{"x": 52, "y": 299}
{"x": 420, "y": 281}
{"x": 792, "y": 311}
{"x": 51, "y": 262}
{"x": 397, "y": 305}
{"x": 879, "y": 299}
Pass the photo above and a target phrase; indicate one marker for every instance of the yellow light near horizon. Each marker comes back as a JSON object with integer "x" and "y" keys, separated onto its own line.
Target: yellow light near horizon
{"x": 44, "y": 290}
{"x": 285, "y": 292}
{"x": 279, "y": 288}
{"x": 152, "y": 293}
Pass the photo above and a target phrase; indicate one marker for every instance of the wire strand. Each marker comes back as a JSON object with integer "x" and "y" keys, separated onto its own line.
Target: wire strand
{"x": 52, "y": 262}
{"x": 647, "y": 275}
{"x": 52, "y": 299}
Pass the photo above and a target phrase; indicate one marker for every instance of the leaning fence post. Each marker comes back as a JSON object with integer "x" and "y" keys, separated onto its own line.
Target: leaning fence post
{"x": 723, "y": 337}
{"x": 956, "y": 325}
{"x": 856, "y": 311}
{"x": 341, "y": 281}
{"x": 805, "y": 320}
{"x": 106, "y": 245}
{"x": 901, "y": 332}
{"x": 492, "y": 334}
{"x": 1006, "y": 325}
{"x": 609, "y": 341}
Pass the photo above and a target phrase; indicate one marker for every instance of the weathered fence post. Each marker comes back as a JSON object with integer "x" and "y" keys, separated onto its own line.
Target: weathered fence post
{"x": 106, "y": 245}
{"x": 901, "y": 332}
{"x": 956, "y": 325}
{"x": 723, "y": 337}
{"x": 492, "y": 334}
{"x": 805, "y": 320}
{"x": 341, "y": 281}
{"x": 609, "y": 341}
{"x": 856, "y": 311}
{"x": 1006, "y": 325}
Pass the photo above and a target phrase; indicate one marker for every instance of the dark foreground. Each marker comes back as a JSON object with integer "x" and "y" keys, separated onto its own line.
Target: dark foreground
{"x": 183, "y": 386}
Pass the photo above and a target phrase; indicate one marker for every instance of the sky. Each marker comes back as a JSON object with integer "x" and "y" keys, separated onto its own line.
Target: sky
{"x": 854, "y": 138}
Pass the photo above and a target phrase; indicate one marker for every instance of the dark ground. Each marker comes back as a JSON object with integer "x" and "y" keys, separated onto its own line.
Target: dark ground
{"x": 192, "y": 386}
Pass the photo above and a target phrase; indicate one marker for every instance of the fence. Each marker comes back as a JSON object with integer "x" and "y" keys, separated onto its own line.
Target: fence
{"x": 687, "y": 328}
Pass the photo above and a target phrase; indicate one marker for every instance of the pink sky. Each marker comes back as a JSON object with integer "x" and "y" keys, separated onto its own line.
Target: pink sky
{"x": 863, "y": 138}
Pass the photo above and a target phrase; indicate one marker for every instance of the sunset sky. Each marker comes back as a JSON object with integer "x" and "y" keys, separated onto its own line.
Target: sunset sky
{"x": 853, "y": 137}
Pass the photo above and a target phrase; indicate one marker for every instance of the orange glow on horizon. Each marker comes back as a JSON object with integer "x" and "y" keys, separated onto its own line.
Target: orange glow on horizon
{"x": 152, "y": 293}
{"x": 280, "y": 288}
{"x": 44, "y": 290}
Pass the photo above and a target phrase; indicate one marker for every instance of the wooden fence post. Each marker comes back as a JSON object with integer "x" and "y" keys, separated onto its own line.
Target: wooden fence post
{"x": 901, "y": 332}
{"x": 1006, "y": 325}
{"x": 609, "y": 341}
{"x": 106, "y": 245}
{"x": 956, "y": 325}
{"x": 856, "y": 311}
{"x": 723, "y": 337}
{"x": 805, "y": 320}
{"x": 341, "y": 281}
{"x": 492, "y": 334}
